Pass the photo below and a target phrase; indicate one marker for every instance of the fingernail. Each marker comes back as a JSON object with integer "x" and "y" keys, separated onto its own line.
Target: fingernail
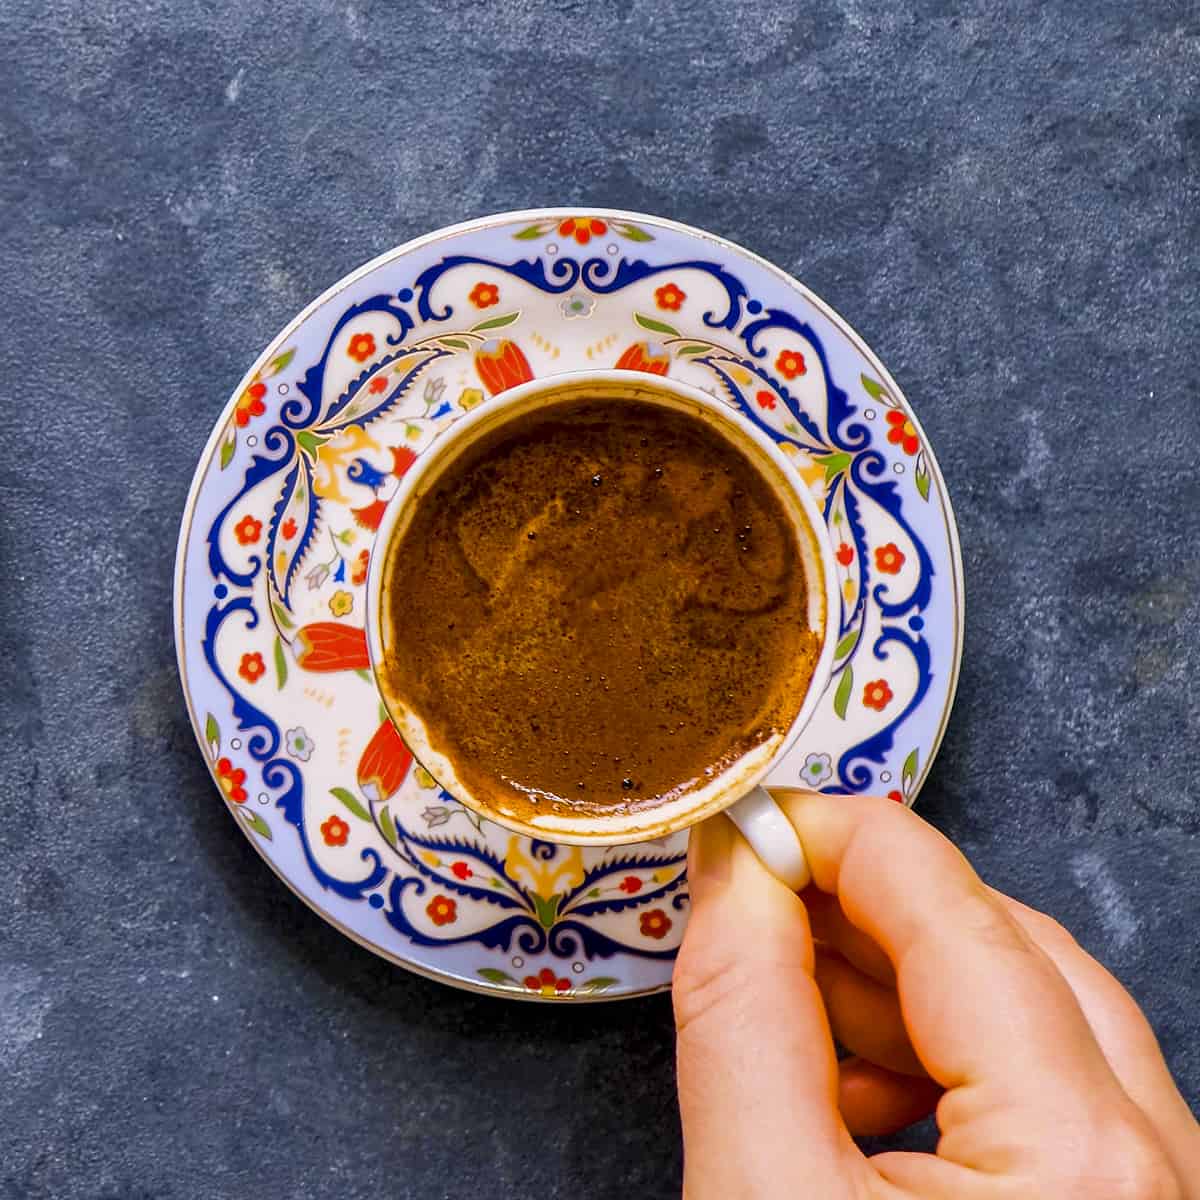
{"x": 709, "y": 855}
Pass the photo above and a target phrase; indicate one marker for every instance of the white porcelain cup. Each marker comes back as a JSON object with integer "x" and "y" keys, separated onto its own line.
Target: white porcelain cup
{"x": 736, "y": 790}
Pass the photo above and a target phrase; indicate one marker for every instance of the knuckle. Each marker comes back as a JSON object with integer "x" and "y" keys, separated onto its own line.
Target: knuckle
{"x": 705, "y": 985}
{"x": 1123, "y": 1162}
{"x": 1050, "y": 932}
{"x": 888, "y": 813}
{"x": 987, "y": 921}
{"x": 1144, "y": 1172}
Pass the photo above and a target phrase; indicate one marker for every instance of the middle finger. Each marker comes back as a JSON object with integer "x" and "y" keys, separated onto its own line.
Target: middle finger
{"x": 864, "y": 1015}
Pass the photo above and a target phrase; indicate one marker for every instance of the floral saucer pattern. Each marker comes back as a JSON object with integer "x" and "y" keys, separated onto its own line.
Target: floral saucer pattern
{"x": 279, "y": 531}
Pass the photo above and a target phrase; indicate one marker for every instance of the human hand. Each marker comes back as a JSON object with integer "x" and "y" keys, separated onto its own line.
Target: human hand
{"x": 1047, "y": 1079}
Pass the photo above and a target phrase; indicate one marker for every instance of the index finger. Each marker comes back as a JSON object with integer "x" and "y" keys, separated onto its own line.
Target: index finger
{"x": 982, "y": 1003}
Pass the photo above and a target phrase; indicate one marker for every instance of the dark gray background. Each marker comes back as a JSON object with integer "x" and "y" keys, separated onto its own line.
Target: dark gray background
{"x": 1001, "y": 196}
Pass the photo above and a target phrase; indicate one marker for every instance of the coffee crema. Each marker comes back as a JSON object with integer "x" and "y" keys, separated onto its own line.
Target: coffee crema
{"x": 598, "y": 607}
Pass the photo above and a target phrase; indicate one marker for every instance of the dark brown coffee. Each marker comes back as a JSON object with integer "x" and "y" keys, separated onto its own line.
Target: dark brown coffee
{"x": 602, "y": 604}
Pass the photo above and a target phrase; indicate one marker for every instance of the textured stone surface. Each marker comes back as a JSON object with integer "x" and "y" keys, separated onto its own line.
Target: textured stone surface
{"x": 1004, "y": 198}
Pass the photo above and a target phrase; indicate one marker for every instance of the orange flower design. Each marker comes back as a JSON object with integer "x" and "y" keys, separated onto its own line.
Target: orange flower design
{"x": 231, "y": 781}
{"x": 669, "y": 296}
{"x": 247, "y": 530}
{"x": 252, "y": 667}
{"x": 877, "y": 695}
{"x": 889, "y": 559}
{"x": 845, "y": 554}
{"x": 442, "y": 910}
{"x": 358, "y": 572}
{"x": 484, "y": 295}
{"x": 645, "y": 356}
{"x": 898, "y": 796}
{"x": 362, "y": 346}
{"x": 377, "y": 385}
{"x": 765, "y": 400}
{"x": 655, "y": 923}
{"x": 335, "y": 831}
{"x": 582, "y": 228}
{"x": 250, "y": 404}
{"x": 790, "y": 363}
{"x": 903, "y": 432}
{"x": 288, "y": 529}
{"x": 546, "y": 983}
{"x": 501, "y": 365}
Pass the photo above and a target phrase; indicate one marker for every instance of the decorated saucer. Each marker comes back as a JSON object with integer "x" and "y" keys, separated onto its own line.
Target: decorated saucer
{"x": 280, "y": 526}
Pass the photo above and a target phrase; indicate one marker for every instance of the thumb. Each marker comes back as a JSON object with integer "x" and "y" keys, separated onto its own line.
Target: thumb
{"x": 758, "y": 1077}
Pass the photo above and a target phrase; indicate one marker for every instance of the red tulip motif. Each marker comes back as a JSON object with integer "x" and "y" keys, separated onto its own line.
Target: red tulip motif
{"x": 331, "y": 646}
{"x": 645, "y": 356}
{"x": 384, "y": 763}
{"x": 501, "y": 365}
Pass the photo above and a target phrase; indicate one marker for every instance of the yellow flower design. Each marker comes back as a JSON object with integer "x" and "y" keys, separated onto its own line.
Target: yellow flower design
{"x": 340, "y": 603}
{"x": 546, "y": 879}
{"x": 469, "y": 398}
{"x": 334, "y": 455}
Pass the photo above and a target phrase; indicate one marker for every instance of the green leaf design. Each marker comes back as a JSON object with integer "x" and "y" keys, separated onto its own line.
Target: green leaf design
{"x": 496, "y": 322}
{"x": 842, "y": 696}
{"x": 257, "y": 824}
{"x": 279, "y": 362}
{"x": 345, "y": 537}
{"x": 537, "y": 230}
{"x": 834, "y": 464}
{"x": 601, "y": 983}
{"x": 908, "y": 772}
{"x": 212, "y": 733}
{"x": 228, "y": 446}
{"x": 280, "y": 662}
{"x": 351, "y": 801}
{"x": 695, "y": 348}
{"x": 547, "y": 909}
{"x": 455, "y": 343}
{"x": 364, "y": 675}
{"x": 846, "y": 645}
{"x": 383, "y": 712}
{"x": 633, "y": 232}
{"x": 310, "y": 442}
{"x": 923, "y": 477}
{"x": 495, "y": 975}
{"x": 874, "y": 389}
{"x": 388, "y": 826}
{"x": 281, "y": 615}
{"x": 655, "y": 326}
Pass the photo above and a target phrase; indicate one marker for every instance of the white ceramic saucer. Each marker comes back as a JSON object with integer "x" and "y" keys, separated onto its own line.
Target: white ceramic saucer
{"x": 280, "y": 523}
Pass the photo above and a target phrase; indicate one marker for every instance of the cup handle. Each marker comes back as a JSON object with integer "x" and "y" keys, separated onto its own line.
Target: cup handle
{"x": 772, "y": 836}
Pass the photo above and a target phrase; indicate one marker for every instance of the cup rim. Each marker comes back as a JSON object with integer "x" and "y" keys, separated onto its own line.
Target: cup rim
{"x": 494, "y": 412}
